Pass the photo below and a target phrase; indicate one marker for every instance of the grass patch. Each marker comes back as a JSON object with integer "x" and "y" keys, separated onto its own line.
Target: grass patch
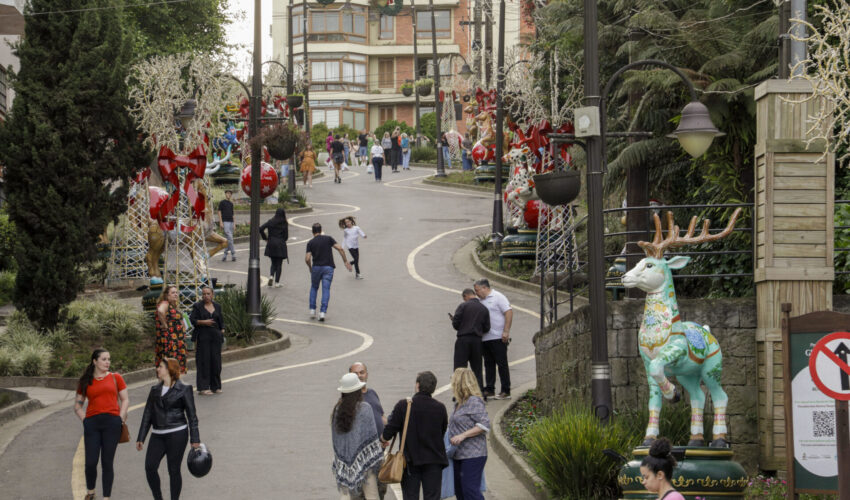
{"x": 517, "y": 420}
{"x": 521, "y": 269}
{"x": 458, "y": 177}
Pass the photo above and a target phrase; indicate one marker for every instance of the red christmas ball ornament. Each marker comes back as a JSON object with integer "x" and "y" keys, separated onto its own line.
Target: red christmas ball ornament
{"x": 268, "y": 180}
{"x": 491, "y": 153}
{"x": 479, "y": 152}
{"x": 157, "y": 198}
{"x": 532, "y": 213}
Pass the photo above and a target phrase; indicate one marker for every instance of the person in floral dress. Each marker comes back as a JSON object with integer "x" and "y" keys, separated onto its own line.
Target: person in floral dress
{"x": 170, "y": 331}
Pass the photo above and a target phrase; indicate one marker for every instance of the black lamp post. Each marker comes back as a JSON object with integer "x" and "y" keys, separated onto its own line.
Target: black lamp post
{"x": 253, "y": 292}
{"x": 498, "y": 221}
{"x": 695, "y": 133}
{"x": 441, "y": 170}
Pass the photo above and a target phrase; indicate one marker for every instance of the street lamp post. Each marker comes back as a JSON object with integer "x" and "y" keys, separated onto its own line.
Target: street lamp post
{"x": 695, "y": 133}
{"x": 306, "y": 105}
{"x": 415, "y": 75}
{"x": 441, "y": 171}
{"x": 253, "y": 292}
{"x": 498, "y": 222}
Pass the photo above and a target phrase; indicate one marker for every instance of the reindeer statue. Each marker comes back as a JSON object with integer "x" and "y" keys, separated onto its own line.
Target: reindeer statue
{"x": 672, "y": 347}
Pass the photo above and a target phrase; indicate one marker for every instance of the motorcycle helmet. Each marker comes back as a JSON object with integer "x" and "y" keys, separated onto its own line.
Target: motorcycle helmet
{"x": 199, "y": 461}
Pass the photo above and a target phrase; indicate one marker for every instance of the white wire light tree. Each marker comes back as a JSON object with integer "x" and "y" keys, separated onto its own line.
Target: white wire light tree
{"x": 197, "y": 89}
{"x": 130, "y": 238}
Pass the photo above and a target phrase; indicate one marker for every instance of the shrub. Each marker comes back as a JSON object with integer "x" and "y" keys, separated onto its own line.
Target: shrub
{"x": 428, "y": 125}
{"x": 565, "y": 449}
{"x": 7, "y": 286}
{"x": 423, "y": 154}
{"x": 318, "y": 135}
{"x": 674, "y": 423}
{"x": 33, "y": 360}
{"x": 7, "y": 243}
{"x": 520, "y": 418}
{"x": 237, "y": 322}
{"x": 390, "y": 125}
{"x": 20, "y": 335}
{"x": 8, "y": 365}
{"x": 104, "y": 318}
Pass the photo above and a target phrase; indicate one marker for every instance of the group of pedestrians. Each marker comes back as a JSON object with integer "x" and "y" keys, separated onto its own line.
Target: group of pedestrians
{"x": 483, "y": 324}
{"x": 102, "y": 402}
{"x": 444, "y": 456}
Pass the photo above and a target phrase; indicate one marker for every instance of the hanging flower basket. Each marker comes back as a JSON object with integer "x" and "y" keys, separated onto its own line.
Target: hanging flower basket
{"x": 423, "y": 86}
{"x": 558, "y": 187}
{"x": 407, "y": 89}
{"x": 280, "y": 139}
{"x": 295, "y": 100}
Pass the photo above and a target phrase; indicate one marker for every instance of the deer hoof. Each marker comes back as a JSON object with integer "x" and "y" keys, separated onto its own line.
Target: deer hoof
{"x": 696, "y": 442}
{"x": 677, "y": 396}
{"x": 719, "y": 443}
{"x": 647, "y": 441}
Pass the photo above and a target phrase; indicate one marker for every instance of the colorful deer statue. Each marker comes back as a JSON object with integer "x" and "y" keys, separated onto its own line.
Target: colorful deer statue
{"x": 672, "y": 347}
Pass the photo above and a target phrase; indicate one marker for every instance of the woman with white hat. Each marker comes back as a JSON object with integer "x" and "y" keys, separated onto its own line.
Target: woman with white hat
{"x": 357, "y": 452}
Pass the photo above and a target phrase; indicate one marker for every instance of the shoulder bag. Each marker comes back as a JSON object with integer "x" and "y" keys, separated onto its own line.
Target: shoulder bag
{"x": 392, "y": 469}
{"x": 125, "y": 432}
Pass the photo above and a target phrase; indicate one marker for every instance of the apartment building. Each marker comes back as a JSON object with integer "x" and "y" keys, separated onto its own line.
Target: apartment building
{"x": 11, "y": 29}
{"x": 358, "y": 59}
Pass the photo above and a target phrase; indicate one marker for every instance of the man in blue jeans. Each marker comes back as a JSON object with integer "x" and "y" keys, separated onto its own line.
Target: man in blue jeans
{"x": 320, "y": 262}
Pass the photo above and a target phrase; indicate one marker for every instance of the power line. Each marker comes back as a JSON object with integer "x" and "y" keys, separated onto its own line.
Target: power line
{"x": 90, "y": 9}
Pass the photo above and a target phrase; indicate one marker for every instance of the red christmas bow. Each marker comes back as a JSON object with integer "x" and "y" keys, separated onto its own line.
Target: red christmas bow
{"x": 168, "y": 163}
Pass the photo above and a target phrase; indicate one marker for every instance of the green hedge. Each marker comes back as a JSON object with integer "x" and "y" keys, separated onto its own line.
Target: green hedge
{"x": 423, "y": 154}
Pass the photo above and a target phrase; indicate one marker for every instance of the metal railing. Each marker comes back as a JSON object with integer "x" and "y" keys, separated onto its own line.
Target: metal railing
{"x": 551, "y": 297}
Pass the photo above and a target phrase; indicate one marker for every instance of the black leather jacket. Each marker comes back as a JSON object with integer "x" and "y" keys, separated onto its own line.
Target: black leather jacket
{"x": 169, "y": 411}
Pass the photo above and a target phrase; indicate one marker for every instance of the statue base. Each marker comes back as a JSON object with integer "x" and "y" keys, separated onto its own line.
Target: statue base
{"x": 521, "y": 244}
{"x": 707, "y": 473}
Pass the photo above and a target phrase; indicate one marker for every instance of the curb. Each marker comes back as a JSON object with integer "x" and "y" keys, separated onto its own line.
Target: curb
{"x": 501, "y": 278}
{"x": 19, "y": 409}
{"x": 515, "y": 462}
{"x": 467, "y": 187}
{"x": 70, "y": 384}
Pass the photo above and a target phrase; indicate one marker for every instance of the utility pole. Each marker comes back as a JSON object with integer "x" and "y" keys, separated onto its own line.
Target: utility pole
{"x": 488, "y": 44}
{"x": 498, "y": 223}
{"x": 290, "y": 61}
{"x": 441, "y": 170}
{"x": 415, "y": 72}
{"x": 306, "y": 105}
{"x": 476, "y": 44}
{"x": 253, "y": 292}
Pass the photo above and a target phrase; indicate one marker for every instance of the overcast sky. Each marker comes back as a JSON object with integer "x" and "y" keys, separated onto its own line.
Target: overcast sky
{"x": 241, "y": 32}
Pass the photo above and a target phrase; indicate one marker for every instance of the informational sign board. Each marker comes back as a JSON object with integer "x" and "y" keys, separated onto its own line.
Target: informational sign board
{"x": 828, "y": 365}
{"x": 809, "y": 410}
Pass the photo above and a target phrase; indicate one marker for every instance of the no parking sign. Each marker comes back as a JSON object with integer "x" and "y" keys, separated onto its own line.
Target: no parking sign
{"x": 828, "y": 365}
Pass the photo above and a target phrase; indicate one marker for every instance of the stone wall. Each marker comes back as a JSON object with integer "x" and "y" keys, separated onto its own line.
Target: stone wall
{"x": 563, "y": 359}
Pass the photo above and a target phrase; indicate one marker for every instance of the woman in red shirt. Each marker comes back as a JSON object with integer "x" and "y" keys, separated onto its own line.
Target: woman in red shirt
{"x": 106, "y": 410}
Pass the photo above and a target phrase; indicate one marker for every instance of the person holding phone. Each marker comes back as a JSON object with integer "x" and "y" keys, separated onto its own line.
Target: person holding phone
{"x": 471, "y": 320}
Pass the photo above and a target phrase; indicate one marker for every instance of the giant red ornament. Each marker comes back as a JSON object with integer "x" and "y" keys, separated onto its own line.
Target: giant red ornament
{"x": 532, "y": 213}
{"x": 268, "y": 180}
{"x": 479, "y": 152}
{"x": 157, "y": 198}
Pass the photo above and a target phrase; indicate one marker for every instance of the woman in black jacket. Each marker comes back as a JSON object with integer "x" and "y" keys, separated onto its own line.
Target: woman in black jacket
{"x": 208, "y": 335}
{"x": 278, "y": 233}
{"x": 171, "y": 410}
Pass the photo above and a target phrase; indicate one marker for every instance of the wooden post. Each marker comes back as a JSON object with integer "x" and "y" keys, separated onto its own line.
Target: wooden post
{"x": 793, "y": 217}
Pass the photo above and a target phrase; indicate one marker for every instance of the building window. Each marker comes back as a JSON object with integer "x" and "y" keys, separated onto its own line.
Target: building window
{"x": 385, "y": 113}
{"x": 329, "y": 117}
{"x": 386, "y": 73}
{"x": 442, "y": 21}
{"x": 387, "y": 28}
{"x": 425, "y": 67}
{"x": 342, "y": 74}
{"x": 354, "y": 119}
{"x": 332, "y": 25}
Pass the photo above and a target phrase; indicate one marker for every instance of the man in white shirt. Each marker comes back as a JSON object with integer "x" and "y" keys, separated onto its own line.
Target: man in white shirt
{"x": 495, "y": 342}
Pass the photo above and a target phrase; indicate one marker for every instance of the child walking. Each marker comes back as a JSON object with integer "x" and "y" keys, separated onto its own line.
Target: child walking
{"x": 351, "y": 236}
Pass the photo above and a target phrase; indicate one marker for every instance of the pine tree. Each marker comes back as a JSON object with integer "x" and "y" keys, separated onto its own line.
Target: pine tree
{"x": 68, "y": 147}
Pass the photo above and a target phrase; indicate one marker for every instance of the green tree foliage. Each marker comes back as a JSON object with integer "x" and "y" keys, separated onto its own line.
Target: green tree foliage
{"x": 390, "y": 125}
{"x": 7, "y": 243}
{"x": 318, "y": 135}
{"x": 428, "y": 125}
{"x": 68, "y": 147}
{"x": 171, "y": 28}
{"x": 726, "y": 49}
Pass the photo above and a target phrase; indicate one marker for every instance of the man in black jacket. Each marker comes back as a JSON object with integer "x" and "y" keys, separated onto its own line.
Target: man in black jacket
{"x": 471, "y": 320}
{"x": 424, "y": 450}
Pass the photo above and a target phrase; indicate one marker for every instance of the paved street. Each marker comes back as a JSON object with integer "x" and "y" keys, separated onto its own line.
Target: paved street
{"x": 269, "y": 430}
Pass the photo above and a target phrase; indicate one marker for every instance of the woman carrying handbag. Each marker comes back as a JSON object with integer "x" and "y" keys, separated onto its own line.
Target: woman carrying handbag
{"x": 103, "y": 418}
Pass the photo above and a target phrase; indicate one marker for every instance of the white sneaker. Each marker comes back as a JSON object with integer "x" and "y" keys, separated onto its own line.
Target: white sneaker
{"x": 312, "y": 314}
{"x": 358, "y": 276}
{"x": 321, "y": 316}
{"x": 277, "y": 285}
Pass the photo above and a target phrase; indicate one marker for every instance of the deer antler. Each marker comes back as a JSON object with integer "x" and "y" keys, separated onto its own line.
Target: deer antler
{"x": 658, "y": 245}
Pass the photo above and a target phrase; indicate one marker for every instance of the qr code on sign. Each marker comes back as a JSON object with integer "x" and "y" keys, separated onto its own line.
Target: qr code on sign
{"x": 823, "y": 423}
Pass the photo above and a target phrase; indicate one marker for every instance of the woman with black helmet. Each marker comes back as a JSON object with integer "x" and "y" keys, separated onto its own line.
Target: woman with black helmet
{"x": 170, "y": 409}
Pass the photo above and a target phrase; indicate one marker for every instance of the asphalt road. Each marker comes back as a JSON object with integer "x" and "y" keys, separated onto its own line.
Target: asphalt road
{"x": 269, "y": 430}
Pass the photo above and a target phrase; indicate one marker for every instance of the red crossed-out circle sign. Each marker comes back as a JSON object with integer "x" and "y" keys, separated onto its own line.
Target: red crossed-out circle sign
{"x": 829, "y": 367}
